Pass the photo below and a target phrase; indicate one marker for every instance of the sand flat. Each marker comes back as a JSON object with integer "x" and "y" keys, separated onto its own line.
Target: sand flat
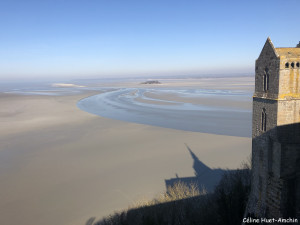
{"x": 213, "y": 101}
{"x": 61, "y": 165}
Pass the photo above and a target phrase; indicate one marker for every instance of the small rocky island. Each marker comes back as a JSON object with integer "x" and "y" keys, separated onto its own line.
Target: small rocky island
{"x": 151, "y": 82}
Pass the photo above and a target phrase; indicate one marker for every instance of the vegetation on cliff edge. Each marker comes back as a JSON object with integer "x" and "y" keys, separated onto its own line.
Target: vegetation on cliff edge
{"x": 182, "y": 204}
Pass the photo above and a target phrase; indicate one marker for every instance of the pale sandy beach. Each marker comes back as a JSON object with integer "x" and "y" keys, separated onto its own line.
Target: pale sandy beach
{"x": 60, "y": 165}
{"x": 107, "y": 104}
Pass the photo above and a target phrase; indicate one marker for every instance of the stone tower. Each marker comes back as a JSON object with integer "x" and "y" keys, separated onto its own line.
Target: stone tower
{"x": 275, "y": 190}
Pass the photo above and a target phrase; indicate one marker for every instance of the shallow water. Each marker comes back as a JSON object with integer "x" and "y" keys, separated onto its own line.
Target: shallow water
{"x": 139, "y": 106}
{"x": 122, "y": 104}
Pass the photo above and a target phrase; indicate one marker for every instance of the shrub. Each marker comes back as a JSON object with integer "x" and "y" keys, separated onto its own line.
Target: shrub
{"x": 186, "y": 204}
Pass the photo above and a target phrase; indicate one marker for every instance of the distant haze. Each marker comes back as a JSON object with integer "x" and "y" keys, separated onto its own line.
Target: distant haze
{"x": 91, "y": 39}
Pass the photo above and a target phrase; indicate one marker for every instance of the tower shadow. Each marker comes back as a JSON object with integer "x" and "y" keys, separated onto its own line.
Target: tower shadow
{"x": 205, "y": 177}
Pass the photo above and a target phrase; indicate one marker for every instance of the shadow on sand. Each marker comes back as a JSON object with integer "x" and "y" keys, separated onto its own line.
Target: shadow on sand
{"x": 205, "y": 177}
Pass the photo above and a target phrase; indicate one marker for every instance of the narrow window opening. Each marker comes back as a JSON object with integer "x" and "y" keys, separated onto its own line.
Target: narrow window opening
{"x": 287, "y": 65}
{"x": 266, "y": 81}
{"x": 298, "y": 64}
{"x": 263, "y": 120}
{"x": 292, "y": 65}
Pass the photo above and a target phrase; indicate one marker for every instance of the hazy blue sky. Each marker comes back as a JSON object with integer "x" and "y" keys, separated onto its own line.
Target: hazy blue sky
{"x": 88, "y": 38}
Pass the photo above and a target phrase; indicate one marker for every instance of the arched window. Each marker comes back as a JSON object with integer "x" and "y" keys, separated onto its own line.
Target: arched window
{"x": 263, "y": 120}
{"x": 287, "y": 65}
{"x": 266, "y": 80}
{"x": 292, "y": 65}
{"x": 297, "y": 64}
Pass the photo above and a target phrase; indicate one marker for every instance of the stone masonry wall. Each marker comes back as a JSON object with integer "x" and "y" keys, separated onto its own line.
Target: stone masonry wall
{"x": 275, "y": 151}
{"x": 289, "y": 83}
{"x": 261, "y": 145}
{"x": 275, "y": 188}
{"x": 270, "y": 62}
{"x": 288, "y": 112}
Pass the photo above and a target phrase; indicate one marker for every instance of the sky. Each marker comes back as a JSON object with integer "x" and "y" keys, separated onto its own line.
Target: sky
{"x": 125, "y": 38}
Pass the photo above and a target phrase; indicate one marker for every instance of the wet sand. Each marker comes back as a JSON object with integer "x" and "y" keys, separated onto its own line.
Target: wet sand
{"x": 211, "y": 101}
{"x": 61, "y": 165}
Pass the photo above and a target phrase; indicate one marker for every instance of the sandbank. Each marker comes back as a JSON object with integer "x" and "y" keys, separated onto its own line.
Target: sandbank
{"x": 61, "y": 165}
